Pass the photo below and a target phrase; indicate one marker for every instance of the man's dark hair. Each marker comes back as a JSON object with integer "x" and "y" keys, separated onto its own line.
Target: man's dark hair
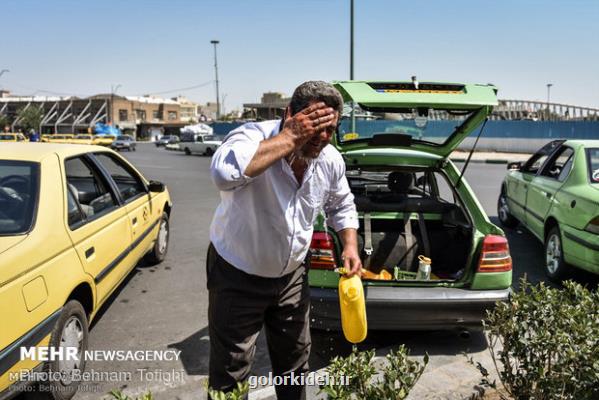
{"x": 312, "y": 91}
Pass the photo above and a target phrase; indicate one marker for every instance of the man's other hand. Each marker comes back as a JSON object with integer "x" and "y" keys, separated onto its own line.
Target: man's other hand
{"x": 351, "y": 261}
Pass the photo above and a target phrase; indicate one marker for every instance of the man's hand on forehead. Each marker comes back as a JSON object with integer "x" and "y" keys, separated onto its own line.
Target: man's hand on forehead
{"x": 312, "y": 120}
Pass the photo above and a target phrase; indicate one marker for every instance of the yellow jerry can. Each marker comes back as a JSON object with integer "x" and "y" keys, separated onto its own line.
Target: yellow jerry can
{"x": 353, "y": 308}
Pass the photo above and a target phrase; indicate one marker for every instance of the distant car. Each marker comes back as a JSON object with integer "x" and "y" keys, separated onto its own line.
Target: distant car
{"x": 203, "y": 144}
{"x": 164, "y": 140}
{"x": 60, "y": 264}
{"x": 61, "y": 138}
{"x": 12, "y": 137}
{"x": 124, "y": 142}
{"x": 83, "y": 139}
{"x": 103, "y": 140}
{"x": 412, "y": 201}
{"x": 555, "y": 195}
{"x": 173, "y": 147}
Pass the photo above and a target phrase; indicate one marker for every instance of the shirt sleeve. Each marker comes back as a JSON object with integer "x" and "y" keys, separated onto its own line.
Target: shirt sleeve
{"x": 231, "y": 159}
{"x": 339, "y": 207}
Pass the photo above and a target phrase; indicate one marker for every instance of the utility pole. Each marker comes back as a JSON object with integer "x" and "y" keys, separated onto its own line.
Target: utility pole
{"x": 351, "y": 41}
{"x": 215, "y": 42}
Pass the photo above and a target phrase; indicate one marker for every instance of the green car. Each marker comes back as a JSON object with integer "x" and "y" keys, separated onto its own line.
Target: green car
{"x": 413, "y": 204}
{"x": 555, "y": 195}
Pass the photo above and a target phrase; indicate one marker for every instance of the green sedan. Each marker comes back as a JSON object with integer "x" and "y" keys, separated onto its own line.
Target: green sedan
{"x": 413, "y": 206}
{"x": 555, "y": 195}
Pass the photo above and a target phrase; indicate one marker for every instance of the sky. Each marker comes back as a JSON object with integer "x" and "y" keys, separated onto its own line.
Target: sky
{"x": 160, "y": 47}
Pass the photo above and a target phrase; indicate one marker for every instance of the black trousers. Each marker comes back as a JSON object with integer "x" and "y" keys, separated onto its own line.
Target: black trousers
{"x": 240, "y": 305}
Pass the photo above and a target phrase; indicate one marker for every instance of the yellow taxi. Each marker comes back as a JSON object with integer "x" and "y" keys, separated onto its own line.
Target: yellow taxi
{"x": 104, "y": 140}
{"x": 62, "y": 138}
{"x": 74, "y": 221}
{"x": 12, "y": 137}
{"x": 83, "y": 139}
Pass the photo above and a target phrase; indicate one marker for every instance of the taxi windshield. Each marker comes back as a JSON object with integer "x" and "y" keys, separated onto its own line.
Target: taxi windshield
{"x": 425, "y": 125}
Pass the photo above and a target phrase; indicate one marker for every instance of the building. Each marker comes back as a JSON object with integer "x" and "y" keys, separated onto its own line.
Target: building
{"x": 271, "y": 106}
{"x": 146, "y": 117}
{"x": 207, "y": 112}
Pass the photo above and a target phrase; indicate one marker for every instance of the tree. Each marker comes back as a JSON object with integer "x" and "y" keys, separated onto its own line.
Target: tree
{"x": 30, "y": 118}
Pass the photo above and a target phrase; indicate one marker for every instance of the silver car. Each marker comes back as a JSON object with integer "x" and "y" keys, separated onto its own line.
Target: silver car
{"x": 123, "y": 142}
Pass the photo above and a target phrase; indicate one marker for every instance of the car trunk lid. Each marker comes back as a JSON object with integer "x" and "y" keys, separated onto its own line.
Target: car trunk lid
{"x": 427, "y": 101}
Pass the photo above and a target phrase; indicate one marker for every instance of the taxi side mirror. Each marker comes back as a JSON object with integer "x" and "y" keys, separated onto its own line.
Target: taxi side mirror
{"x": 157, "y": 187}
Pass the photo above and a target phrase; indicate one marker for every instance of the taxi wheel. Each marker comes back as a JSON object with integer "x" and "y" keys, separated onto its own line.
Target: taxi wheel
{"x": 555, "y": 266}
{"x": 158, "y": 252}
{"x": 70, "y": 331}
{"x": 503, "y": 211}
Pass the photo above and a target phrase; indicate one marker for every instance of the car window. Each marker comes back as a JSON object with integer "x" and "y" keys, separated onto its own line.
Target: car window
{"x": 445, "y": 192}
{"x": 129, "y": 183}
{"x": 18, "y": 196}
{"x": 535, "y": 162}
{"x": 559, "y": 164}
{"x": 88, "y": 187}
{"x": 593, "y": 159}
{"x": 75, "y": 215}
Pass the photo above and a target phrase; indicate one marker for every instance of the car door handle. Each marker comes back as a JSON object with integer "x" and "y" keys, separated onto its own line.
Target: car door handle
{"x": 90, "y": 252}
{"x": 134, "y": 221}
{"x": 548, "y": 195}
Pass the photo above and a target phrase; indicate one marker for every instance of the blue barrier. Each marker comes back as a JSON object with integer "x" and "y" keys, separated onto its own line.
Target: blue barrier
{"x": 493, "y": 129}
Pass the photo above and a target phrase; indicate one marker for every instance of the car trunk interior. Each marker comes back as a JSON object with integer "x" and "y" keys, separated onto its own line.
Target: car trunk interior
{"x": 406, "y": 213}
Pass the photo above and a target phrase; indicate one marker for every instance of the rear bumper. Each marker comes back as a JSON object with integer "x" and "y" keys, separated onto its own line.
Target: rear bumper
{"x": 393, "y": 308}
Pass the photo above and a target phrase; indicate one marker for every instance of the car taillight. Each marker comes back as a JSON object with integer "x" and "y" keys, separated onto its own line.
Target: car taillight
{"x": 322, "y": 250}
{"x": 495, "y": 255}
{"x": 593, "y": 226}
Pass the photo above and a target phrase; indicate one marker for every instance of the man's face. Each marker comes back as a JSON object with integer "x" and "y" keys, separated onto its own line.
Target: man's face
{"x": 314, "y": 146}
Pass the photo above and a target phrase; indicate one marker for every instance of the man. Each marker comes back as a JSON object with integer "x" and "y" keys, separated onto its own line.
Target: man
{"x": 274, "y": 179}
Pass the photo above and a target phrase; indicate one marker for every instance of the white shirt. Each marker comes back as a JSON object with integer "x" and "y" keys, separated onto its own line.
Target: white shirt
{"x": 263, "y": 225}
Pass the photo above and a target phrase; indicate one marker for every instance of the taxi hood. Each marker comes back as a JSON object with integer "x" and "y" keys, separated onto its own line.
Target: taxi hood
{"x": 430, "y": 117}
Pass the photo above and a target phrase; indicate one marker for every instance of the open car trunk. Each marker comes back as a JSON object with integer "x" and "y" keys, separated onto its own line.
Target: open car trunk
{"x": 408, "y": 213}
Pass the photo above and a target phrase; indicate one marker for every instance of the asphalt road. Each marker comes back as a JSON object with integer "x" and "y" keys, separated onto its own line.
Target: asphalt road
{"x": 165, "y": 307}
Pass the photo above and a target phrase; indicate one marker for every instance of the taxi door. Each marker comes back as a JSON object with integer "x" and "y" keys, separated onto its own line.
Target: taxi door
{"x": 98, "y": 225}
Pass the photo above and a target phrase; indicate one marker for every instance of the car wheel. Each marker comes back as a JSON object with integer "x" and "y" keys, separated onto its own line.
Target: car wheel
{"x": 503, "y": 212}
{"x": 158, "y": 252}
{"x": 555, "y": 266}
{"x": 187, "y": 151}
{"x": 134, "y": 148}
{"x": 71, "y": 331}
{"x": 209, "y": 152}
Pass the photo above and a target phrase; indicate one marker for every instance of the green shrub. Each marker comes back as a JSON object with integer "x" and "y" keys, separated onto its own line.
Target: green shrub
{"x": 545, "y": 343}
{"x": 237, "y": 394}
{"x": 355, "y": 376}
{"x": 118, "y": 395}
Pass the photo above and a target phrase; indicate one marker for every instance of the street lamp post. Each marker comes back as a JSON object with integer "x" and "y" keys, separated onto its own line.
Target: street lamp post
{"x": 215, "y": 42}
{"x": 548, "y": 99}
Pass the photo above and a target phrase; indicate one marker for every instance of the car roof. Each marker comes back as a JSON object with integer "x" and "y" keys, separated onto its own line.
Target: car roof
{"x": 585, "y": 143}
{"x": 31, "y": 151}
